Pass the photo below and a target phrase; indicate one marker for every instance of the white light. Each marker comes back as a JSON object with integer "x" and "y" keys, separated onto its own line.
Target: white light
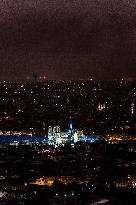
{"x": 132, "y": 108}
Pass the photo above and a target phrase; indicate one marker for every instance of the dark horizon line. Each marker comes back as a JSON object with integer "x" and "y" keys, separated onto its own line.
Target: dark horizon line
{"x": 68, "y": 80}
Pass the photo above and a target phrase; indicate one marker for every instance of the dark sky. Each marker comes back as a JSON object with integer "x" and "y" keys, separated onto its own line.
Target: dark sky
{"x": 67, "y": 39}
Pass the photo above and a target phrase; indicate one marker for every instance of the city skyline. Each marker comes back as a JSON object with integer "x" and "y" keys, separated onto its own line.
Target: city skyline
{"x": 67, "y": 39}
{"x": 68, "y": 102}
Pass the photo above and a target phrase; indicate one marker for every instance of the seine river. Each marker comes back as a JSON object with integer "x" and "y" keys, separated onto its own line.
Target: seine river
{"x": 8, "y": 139}
{"x": 22, "y": 138}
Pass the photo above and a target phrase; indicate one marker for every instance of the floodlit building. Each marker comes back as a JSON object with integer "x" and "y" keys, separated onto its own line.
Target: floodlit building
{"x": 56, "y": 132}
{"x": 54, "y": 135}
{"x": 50, "y": 133}
{"x": 101, "y": 106}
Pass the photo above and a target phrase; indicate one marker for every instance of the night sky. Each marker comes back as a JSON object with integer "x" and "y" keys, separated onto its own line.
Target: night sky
{"x": 69, "y": 39}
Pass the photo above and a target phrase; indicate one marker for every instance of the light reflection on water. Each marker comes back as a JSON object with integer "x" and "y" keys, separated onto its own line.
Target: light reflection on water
{"x": 7, "y": 139}
{"x": 22, "y": 138}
